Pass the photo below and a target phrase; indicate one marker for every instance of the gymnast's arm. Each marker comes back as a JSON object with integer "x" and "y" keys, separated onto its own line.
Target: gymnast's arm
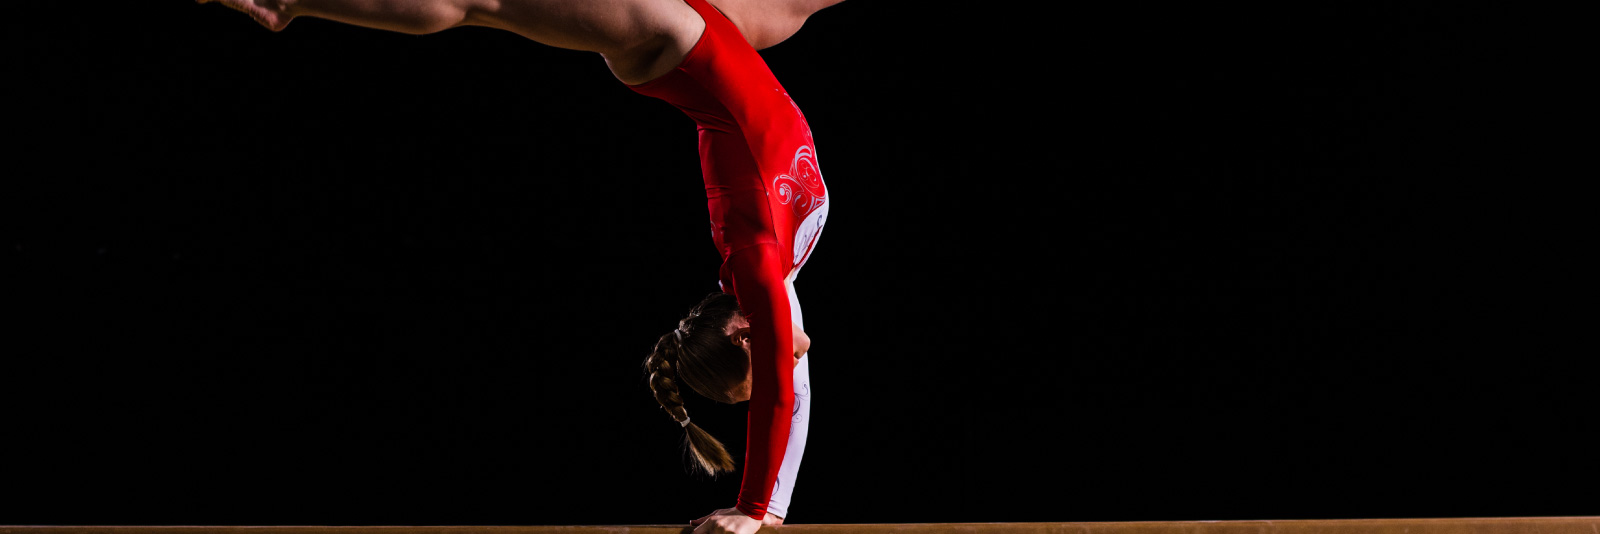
{"x": 758, "y": 281}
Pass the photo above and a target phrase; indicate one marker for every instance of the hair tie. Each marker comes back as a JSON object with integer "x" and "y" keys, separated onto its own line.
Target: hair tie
{"x": 678, "y": 334}
{"x": 685, "y": 422}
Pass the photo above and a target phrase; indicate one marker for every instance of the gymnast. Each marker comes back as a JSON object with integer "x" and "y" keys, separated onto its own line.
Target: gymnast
{"x": 764, "y": 193}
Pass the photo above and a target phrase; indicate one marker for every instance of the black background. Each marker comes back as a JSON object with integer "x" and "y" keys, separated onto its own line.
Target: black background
{"x": 1132, "y": 262}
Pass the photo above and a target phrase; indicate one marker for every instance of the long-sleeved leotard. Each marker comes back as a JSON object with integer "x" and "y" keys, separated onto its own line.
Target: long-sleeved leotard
{"x": 767, "y": 204}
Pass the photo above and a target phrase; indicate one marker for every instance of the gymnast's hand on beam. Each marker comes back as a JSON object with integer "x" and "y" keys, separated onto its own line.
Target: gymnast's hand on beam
{"x": 731, "y": 521}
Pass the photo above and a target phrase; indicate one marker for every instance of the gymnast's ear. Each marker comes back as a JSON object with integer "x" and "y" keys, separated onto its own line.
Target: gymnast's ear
{"x": 741, "y": 337}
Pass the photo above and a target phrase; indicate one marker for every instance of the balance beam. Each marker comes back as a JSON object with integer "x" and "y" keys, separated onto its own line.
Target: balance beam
{"x": 1476, "y": 525}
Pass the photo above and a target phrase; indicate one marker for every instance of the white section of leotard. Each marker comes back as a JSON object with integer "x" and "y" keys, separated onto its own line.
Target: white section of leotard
{"x": 810, "y": 232}
{"x": 794, "y": 302}
{"x": 781, "y": 491}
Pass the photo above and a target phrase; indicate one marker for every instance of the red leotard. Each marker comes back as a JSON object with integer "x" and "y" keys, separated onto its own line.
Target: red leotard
{"x": 767, "y": 204}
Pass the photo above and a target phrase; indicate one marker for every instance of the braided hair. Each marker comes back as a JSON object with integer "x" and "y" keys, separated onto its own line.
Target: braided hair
{"x": 698, "y": 354}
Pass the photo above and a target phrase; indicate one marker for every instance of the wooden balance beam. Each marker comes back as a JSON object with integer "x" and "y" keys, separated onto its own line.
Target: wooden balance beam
{"x": 1485, "y": 525}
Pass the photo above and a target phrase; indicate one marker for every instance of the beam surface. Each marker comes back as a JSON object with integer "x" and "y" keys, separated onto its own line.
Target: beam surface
{"x": 1484, "y": 525}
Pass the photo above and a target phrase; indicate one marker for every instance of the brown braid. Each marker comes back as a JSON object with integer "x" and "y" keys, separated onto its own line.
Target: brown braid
{"x": 699, "y": 355}
{"x": 659, "y": 364}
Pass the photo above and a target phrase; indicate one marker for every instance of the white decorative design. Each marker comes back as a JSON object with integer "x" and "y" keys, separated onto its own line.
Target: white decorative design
{"x": 803, "y": 191}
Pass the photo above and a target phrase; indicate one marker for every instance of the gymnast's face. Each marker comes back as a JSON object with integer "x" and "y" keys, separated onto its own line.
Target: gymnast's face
{"x": 738, "y": 332}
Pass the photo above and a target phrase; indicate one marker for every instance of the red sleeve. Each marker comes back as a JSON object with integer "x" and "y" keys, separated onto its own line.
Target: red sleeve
{"x": 756, "y": 273}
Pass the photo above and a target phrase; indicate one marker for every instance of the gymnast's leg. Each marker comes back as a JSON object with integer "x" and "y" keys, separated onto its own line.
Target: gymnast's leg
{"x": 640, "y": 39}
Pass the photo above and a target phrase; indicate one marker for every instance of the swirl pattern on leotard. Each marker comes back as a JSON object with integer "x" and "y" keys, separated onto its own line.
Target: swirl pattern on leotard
{"x": 803, "y": 191}
{"x": 802, "y": 187}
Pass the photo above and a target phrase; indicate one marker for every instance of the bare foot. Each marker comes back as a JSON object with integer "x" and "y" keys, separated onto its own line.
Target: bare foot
{"x": 274, "y": 14}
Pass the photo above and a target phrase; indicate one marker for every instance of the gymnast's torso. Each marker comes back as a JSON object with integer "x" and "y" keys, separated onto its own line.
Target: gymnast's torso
{"x": 767, "y": 205}
{"x": 757, "y": 155}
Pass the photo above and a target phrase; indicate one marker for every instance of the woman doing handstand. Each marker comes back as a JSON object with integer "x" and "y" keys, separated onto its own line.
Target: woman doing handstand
{"x": 764, "y": 192}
